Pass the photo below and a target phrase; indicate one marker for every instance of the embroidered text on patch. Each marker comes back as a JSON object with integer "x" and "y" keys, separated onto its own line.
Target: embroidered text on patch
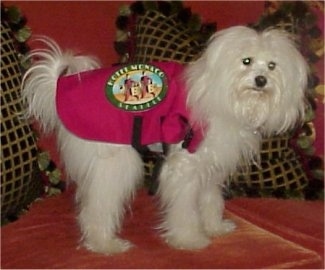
{"x": 136, "y": 87}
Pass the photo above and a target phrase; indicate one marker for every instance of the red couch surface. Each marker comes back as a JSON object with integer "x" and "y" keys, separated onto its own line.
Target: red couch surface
{"x": 270, "y": 234}
{"x": 299, "y": 221}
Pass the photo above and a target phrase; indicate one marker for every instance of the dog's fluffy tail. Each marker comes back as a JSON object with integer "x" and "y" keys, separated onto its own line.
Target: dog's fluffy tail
{"x": 40, "y": 81}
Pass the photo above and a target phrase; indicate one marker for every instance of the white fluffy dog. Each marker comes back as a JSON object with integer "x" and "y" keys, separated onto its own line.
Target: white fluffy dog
{"x": 246, "y": 85}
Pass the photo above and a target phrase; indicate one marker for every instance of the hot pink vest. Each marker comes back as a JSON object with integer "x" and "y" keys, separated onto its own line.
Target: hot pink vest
{"x": 101, "y": 105}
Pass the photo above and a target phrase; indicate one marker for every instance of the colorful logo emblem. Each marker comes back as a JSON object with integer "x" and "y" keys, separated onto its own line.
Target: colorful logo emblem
{"x": 136, "y": 87}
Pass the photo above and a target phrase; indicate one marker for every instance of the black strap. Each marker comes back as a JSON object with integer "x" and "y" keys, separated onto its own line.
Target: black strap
{"x": 136, "y": 136}
{"x": 188, "y": 138}
{"x": 145, "y": 151}
{"x": 153, "y": 181}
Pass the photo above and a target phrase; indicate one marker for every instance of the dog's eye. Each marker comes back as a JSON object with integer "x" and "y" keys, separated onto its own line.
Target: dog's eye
{"x": 271, "y": 66}
{"x": 247, "y": 61}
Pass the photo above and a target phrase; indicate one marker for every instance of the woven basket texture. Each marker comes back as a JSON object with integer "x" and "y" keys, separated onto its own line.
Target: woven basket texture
{"x": 280, "y": 168}
{"x": 19, "y": 182}
{"x": 161, "y": 38}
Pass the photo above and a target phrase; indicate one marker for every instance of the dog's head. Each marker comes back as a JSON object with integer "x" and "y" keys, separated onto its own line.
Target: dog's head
{"x": 258, "y": 79}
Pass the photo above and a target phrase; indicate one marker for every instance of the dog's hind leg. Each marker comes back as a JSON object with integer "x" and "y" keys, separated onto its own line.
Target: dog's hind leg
{"x": 107, "y": 177}
{"x": 105, "y": 196}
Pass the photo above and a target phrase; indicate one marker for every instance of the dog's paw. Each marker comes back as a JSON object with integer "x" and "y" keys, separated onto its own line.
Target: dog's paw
{"x": 190, "y": 242}
{"x": 108, "y": 247}
{"x": 224, "y": 227}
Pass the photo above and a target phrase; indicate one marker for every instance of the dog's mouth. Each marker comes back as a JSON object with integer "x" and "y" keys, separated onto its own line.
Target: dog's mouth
{"x": 259, "y": 89}
{"x": 256, "y": 89}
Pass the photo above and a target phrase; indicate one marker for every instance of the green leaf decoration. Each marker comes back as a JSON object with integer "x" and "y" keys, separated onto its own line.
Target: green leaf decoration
{"x": 310, "y": 151}
{"x": 51, "y": 191}
{"x": 124, "y": 10}
{"x": 43, "y": 160}
{"x": 304, "y": 142}
{"x": 150, "y": 5}
{"x": 55, "y": 177}
{"x": 318, "y": 174}
{"x": 121, "y": 36}
{"x": 309, "y": 115}
{"x": 195, "y": 22}
{"x": 23, "y": 34}
{"x": 14, "y": 14}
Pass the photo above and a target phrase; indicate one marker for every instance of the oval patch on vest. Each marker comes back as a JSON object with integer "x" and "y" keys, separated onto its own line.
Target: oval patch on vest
{"x": 136, "y": 87}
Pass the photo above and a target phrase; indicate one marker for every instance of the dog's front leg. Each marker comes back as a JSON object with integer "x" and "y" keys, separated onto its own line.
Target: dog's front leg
{"x": 179, "y": 194}
{"x": 212, "y": 206}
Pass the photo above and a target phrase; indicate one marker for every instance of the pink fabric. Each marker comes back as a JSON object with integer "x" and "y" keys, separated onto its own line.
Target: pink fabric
{"x": 84, "y": 109}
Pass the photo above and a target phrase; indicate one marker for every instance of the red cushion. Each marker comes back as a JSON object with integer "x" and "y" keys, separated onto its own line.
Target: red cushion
{"x": 299, "y": 221}
{"x": 47, "y": 237}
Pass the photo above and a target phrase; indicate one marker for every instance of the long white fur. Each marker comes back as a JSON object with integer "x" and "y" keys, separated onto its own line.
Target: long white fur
{"x": 104, "y": 185}
{"x": 51, "y": 64}
{"x": 221, "y": 93}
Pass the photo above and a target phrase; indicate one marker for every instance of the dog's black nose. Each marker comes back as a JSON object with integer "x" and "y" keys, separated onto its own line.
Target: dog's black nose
{"x": 260, "y": 81}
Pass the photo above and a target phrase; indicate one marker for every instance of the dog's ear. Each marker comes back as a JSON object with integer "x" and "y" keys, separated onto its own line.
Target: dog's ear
{"x": 294, "y": 71}
{"x": 290, "y": 58}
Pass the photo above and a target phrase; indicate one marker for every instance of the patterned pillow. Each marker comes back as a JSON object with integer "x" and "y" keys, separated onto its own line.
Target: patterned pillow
{"x": 20, "y": 179}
